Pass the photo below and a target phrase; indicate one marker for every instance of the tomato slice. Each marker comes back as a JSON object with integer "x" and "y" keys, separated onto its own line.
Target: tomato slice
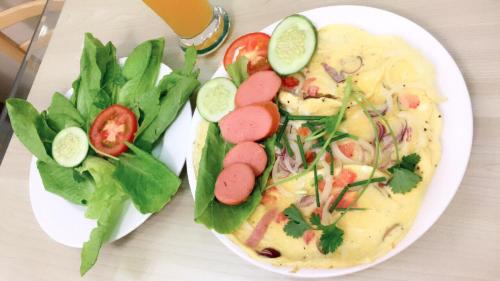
{"x": 254, "y": 47}
{"x": 113, "y": 127}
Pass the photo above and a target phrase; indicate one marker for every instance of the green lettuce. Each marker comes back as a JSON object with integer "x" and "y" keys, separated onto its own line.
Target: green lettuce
{"x": 210, "y": 212}
{"x": 238, "y": 70}
{"x": 149, "y": 182}
{"x": 31, "y": 128}
{"x": 141, "y": 71}
{"x": 106, "y": 205}
{"x": 62, "y": 114}
{"x": 100, "y": 78}
{"x": 174, "y": 91}
{"x": 66, "y": 182}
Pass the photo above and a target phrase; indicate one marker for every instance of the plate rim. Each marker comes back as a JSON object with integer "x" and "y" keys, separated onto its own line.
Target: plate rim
{"x": 457, "y": 179}
{"x": 34, "y": 176}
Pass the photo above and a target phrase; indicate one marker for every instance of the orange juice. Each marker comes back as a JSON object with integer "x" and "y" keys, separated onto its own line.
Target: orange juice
{"x": 187, "y": 18}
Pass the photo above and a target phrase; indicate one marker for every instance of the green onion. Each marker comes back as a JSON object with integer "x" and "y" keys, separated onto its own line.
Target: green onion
{"x": 358, "y": 183}
{"x": 363, "y": 182}
{"x": 318, "y": 134}
{"x": 350, "y": 209}
{"x": 316, "y": 185}
{"x": 301, "y": 150}
{"x": 339, "y": 198}
{"x": 332, "y": 166}
{"x": 340, "y": 115}
{"x": 281, "y": 131}
{"x": 289, "y": 150}
{"x": 375, "y": 164}
{"x": 391, "y": 132}
{"x": 304, "y": 117}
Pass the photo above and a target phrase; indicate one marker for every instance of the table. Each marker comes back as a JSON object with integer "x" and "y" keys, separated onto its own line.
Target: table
{"x": 463, "y": 245}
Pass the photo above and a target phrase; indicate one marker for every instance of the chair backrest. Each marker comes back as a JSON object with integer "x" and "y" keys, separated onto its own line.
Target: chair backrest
{"x": 18, "y": 14}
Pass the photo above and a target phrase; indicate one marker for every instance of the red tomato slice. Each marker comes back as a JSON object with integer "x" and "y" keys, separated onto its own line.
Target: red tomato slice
{"x": 344, "y": 178}
{"x": 254, "y": 47}
{"x": 347, "y": 149}
{"x": 113, "y": 127}
{"x": 310, "y": 155}
{"x": 289, "y": 82}
{"x": 409, "y": 100}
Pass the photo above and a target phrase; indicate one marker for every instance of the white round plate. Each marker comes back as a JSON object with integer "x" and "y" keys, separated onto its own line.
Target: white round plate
{"x": 65, "y": 222}
{"x": 457, "y": 124}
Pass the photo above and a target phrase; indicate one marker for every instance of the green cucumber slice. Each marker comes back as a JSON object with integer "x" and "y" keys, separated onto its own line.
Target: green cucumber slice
{"x": 70, "y": 147}
{"x": 292, "y": 44}
{"x": 216, "y": 98}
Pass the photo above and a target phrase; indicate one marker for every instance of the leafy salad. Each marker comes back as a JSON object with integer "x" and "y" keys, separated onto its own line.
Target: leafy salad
{"x": 94, "y": 149}
{"x": 246, "y": 111}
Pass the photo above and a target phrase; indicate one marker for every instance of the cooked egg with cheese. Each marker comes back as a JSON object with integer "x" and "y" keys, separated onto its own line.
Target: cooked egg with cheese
{"x": 392, "y": 113}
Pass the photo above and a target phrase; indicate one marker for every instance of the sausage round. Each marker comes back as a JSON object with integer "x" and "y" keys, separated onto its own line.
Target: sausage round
{"x": 249, "y": 153}
{"x": 250, "y": 123}
{"x": 234, "y": 184}
{"x": 260, "y": 87}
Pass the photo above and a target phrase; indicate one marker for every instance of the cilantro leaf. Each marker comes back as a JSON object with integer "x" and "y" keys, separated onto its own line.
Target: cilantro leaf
{"x": 331, "y": 238}
{"x": 403, "y": 180}
{"x": 408, "y": 162}
{"x": 316, "y": 220}
{"x": 296, "y": 225}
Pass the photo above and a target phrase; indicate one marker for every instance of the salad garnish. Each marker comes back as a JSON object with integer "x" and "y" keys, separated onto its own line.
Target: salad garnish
{"x": 124, "y": 115}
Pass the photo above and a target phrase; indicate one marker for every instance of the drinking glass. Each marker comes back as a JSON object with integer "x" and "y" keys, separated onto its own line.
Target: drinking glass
{"x": 196, "y": 22}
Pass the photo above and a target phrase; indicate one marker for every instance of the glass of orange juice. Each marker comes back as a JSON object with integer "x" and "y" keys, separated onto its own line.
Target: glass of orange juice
{"x": 195, "y": 22}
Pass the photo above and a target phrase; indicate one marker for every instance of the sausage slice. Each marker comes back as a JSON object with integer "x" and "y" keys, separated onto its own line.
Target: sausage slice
{"x": 234, "y": 184}
{"x": 249, "y": 153}
{"x": 259, "y": 87}
{"x": 250, "y": 123}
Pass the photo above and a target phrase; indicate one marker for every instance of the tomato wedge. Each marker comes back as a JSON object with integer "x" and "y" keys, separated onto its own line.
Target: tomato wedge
{"x": 113, "y": 127}
{"x": 254, "y": 47}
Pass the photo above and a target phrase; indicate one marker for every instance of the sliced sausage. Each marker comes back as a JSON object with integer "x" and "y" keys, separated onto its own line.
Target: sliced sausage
{"x": 273, "y": 109}
{"x": 260, "y": 87}
{"x": 249, "y": 153}
{"x": 234, "y": 184}
{"x": 250, "y": 123}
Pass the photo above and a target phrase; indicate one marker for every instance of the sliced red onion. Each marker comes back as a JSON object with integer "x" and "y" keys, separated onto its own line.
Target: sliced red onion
{"x": 305, "y": 201}
{"x": 334, "y": 74}
{"x": 378, "y": 112}
{"x": 351, "y": 65}
{"x": 382, "y": 131}
{"x": 404, "y": 131}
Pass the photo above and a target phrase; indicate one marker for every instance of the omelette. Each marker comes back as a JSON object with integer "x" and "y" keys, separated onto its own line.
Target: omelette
{"x": 400, "y": 84}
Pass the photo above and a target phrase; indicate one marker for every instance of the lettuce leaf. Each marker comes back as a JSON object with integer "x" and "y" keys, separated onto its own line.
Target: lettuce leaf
{"x": 174, "y": 91}
{"x": 238, "y": 70}
{"x": 210, "y": 212}
{"x": 141, "y": 71}
{"x": 31, "y": 128}
{"x": 149, "y": 182}
{"x": 62, "y": 114}
{"x": 99, "y": 72}
{"x": 106, "y": 205}
{"x": 66, "y": 182}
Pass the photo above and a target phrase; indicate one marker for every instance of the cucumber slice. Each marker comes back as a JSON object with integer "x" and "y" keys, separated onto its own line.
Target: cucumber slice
{"x": 292, "y": 44}
{"x": 70, "y": 147}
{"x": 216, "y": 98}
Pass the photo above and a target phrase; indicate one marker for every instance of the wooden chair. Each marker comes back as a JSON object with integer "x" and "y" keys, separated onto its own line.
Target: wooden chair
{"x": 18, "y": 14}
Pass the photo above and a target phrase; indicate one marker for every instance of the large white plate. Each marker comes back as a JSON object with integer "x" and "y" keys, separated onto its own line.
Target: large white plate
{"x": 65, "y": 222}
{"x": 457, "y": 124}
